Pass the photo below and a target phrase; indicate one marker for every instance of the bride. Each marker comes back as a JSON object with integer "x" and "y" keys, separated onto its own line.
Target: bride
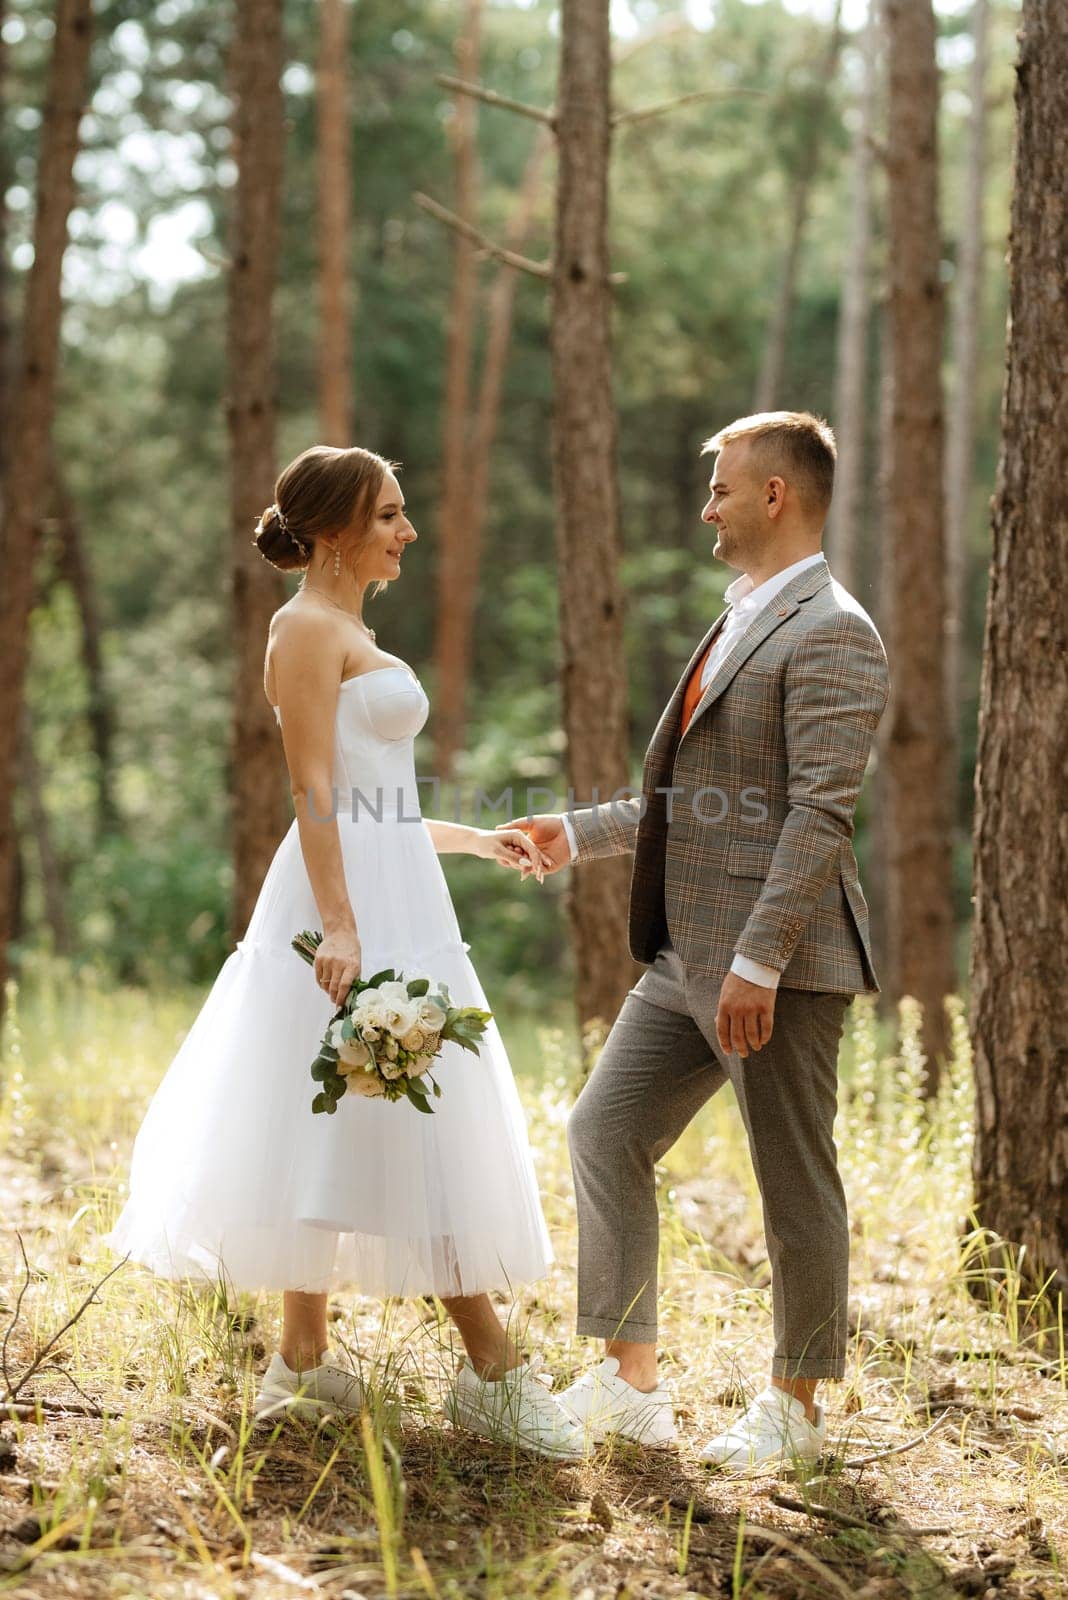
{"x": 232, "y": 1175}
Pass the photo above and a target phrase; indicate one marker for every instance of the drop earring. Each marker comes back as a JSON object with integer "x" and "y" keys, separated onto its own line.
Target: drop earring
{"x": 337, "y": 560}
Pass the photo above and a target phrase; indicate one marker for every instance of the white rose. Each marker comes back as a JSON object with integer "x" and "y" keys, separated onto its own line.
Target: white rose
{"x": 413, "y": 1039}
{"x": 351, "y": 1054}
{"x": 403, "y": 1018}
{"x": 431, "y": 1016}
{"x": 392, "y": 1069}
{"x": 395, "y": 994}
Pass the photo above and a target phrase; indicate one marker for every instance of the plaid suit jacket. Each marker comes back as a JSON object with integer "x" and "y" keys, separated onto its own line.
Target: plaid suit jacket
{"x": 742, "y": 835}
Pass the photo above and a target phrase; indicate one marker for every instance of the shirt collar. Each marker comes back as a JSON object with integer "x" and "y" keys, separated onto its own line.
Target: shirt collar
{"x": 745, "y": 600}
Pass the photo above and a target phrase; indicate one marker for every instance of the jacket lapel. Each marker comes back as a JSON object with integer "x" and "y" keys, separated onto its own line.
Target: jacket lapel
{"x": 666, "y": 731}
{"x": 784, "y": 604}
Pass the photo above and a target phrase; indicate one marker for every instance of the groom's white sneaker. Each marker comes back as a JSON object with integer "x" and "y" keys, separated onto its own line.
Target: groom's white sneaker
{"x": 514, "y": 1409}
{"x": 773, "y": 1432}
{"x": 310, "y": 1393}
{"x": 602, "y": 1403}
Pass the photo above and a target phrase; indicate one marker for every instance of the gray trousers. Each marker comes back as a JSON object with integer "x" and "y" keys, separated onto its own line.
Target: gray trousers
{"x": 660, "y": 1064}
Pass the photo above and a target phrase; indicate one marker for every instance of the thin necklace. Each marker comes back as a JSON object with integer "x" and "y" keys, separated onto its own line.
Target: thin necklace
{"x": 369, "y": 631}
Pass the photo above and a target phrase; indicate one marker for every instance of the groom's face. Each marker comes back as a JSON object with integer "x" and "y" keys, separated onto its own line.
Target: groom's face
{"x": 735, "y": 506}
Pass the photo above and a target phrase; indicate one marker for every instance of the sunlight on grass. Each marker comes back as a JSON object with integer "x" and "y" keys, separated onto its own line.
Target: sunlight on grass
{"x": 175, "y": 1488}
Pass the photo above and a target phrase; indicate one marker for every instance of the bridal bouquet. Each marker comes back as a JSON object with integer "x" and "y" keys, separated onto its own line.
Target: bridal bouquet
{"x": 386, "y": 1035}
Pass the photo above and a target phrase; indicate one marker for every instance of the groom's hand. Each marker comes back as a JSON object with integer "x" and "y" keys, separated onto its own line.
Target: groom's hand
{"x": 746, "y": 1015}
{"x": 547, "y": 832}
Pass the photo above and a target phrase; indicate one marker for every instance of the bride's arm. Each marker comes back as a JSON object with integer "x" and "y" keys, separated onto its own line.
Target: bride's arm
{"x": 510, "y": 847}
{"x": 307, "y": 678}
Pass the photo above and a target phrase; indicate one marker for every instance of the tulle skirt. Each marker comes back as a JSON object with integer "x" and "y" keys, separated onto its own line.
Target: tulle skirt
{"x": 233, "y": 1178}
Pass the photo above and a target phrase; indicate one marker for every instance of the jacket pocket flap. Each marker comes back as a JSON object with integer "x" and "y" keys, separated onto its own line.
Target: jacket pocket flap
{"x": 746, "y": 858}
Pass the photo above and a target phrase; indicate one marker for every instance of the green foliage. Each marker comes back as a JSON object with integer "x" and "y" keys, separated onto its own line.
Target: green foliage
{"x": 700, "y": 204}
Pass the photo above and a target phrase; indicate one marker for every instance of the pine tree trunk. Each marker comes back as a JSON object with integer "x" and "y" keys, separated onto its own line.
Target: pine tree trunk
{"x": 960, "y": 428}
{"x": 878, "y": 874}
{"x": 76, "y": 570}
{"x": 334, "y": 170}
{"x": 851, "y": 376}
{"x": 6, "y": 352}
{"x": 769, "y": 384}
{"x": 594, "y": 669}
{"x": 920, "y": 902}
{"x": 257, "y": 766}
{"x": 1019, "y": 996}
{"x": 53, "y": 877}
{"x": 32, "y": 418}
{"x": 454, "y": 602}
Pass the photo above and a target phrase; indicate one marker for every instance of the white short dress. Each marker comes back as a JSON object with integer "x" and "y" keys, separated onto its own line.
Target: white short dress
{"x": 233, "y": 1178}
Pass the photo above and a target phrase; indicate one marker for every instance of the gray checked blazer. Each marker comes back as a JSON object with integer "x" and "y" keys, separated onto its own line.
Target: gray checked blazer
{"x": 742, "y": 835}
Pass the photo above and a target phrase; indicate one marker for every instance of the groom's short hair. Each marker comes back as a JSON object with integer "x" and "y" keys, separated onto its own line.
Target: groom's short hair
{"x": 794, "y": 445}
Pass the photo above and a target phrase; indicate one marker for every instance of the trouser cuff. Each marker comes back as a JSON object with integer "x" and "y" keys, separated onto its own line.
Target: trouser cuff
{"x": 807, "y": 1367}
{"x": 616, "y": 1328}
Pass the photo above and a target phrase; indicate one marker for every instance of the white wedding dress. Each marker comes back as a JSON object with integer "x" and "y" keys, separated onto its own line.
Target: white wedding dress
{"x": 234, "y": 1178}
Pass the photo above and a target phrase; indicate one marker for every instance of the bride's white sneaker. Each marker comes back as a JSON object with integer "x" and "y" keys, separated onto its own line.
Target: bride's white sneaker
{"x": 310, "y": 1393}
{"x": 602, "y": 1403}
{"x": 515, "y": 1409}
{"x": 774, "y": 1431}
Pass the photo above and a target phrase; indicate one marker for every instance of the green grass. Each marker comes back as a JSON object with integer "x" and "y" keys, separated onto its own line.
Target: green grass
{"x": 171, "y": 1493}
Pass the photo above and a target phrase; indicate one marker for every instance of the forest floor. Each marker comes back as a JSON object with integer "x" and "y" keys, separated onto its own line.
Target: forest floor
{"x": 129, "y": 1466}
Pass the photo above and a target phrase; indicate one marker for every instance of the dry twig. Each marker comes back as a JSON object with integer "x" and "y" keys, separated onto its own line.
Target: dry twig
{"x": 11, "y": 1390}
{"x": 844, "y": 1520}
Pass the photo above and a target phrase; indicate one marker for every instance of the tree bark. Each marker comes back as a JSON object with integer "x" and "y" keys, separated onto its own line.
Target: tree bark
{"x": 76, "y": 570}
{"x": 960, "y": 430}
{"x": 53, "y": 877}
{"x": 257, "y": 766}
{"x": 1019, "y": 997}
{"x": 459, "y": 577}
{"x": 6, "y": 370}
{"x": 769, "y": 384}
{"x": 32, "y": 421}
{"x": 851, "y": 376}
{"x": 593, "y": 666}
{"x": 334, "y": 169}
{"x": 920, "y": 903}
{"x": 455, "y": 604}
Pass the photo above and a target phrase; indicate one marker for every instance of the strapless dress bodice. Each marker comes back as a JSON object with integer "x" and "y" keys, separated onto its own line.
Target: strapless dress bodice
{"x": 378, "y": 716}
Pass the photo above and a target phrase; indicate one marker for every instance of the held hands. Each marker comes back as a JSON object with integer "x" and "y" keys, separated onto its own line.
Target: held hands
{"x": 510, "y": 846}
{"x": 746, "y": 1015}
{"x": 337, "y": 963}
{"x": 547, "y": 834}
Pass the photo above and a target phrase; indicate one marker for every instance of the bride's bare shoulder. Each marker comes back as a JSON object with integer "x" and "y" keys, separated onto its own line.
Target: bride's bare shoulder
{"x": 297, "y": 635}
{"x": 300, "y": 624}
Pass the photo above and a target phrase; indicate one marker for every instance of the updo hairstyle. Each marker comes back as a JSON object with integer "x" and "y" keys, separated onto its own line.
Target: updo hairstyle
{"x": 322, "y": 492}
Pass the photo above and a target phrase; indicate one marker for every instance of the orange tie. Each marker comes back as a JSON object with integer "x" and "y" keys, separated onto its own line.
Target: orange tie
{"x": 693, "y": 691}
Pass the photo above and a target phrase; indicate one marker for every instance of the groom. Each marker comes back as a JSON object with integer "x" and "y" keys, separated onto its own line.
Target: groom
{"x": 747, "y": 908}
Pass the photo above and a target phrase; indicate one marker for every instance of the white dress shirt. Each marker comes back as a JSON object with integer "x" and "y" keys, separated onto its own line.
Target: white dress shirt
{"x": 746, "y": 604}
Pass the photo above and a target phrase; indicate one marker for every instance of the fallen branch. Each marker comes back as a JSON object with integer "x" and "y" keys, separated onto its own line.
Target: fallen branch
{"x": 490, "y": 97}
{"x": 895, "y": 1449}
{"x": 843, "y": 1519}
{"x": 662, "y": 107}
{"x": 881, "y": 1455}
{"x": 508, "y": 258}
{"x": 12, "y": 1390}
{"x": 39, "y": 1407}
